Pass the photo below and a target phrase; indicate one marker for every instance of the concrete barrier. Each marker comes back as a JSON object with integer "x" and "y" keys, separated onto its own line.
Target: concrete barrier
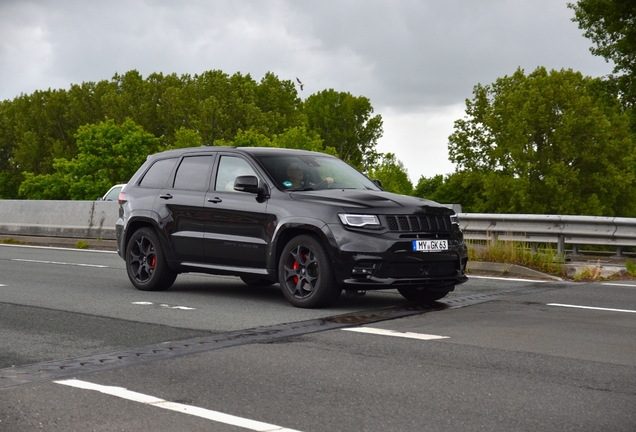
{"x": 74, "y": 219}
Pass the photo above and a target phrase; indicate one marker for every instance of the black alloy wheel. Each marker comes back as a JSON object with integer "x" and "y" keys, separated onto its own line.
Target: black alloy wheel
{"x": 146, "y": 264}
{"x": 306, "y": 275}
{"x": 424, "y": 294}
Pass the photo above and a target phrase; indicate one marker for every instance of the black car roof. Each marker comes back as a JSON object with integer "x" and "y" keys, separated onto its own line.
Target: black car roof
{"x": 251, "y": 150}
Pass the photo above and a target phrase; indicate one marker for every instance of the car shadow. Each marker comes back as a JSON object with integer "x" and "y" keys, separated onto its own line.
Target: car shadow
{"x": 229, "y": 288}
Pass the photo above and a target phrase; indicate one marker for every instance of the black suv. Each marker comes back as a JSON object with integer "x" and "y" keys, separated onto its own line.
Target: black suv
{"x": 306, "y": 220}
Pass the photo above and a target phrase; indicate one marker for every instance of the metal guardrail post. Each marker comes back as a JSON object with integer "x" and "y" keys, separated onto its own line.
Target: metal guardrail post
{"x": 561, "y": 245}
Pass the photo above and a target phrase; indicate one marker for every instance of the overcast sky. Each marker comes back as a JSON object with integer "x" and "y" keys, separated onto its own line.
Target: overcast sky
{"x": 417, "y": 61}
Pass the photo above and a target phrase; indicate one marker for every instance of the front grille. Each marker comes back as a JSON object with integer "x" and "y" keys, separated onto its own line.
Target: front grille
{"x": 419, "y": 223}
{"x": 417, "y": 270}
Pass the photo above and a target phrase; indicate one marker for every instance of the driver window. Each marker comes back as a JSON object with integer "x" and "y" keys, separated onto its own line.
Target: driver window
{"x": 230, "y": 167}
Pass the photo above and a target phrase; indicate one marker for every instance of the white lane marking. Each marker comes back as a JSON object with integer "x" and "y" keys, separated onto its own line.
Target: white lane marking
{"x": 59, "y": 248}
{"x": 182, "y": 408}
{"x": 507, "y": 279}
{"x": 163, "y": 305}
{"x": 176, "y": 307}
{"x": 383, "y": 332}
{"x": 59, "y": 263}
{"x": 592, "y": 308}
{"x": 617, "y": 284}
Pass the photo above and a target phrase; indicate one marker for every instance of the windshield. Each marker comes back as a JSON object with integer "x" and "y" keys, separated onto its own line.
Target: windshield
{"x": 309, "y": 172}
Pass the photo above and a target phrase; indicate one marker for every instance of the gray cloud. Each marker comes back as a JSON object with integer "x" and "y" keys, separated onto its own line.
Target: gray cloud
{"x": 409, "y": 57}
{"x": 399, "y": 53}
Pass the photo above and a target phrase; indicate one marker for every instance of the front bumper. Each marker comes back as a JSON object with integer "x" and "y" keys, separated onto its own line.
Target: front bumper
{"x": 386, "y": 260}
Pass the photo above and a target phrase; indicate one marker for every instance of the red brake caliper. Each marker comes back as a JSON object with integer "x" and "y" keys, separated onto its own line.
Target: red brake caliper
{"x": 295, "y": 267}
{"x": 153, "y": 261}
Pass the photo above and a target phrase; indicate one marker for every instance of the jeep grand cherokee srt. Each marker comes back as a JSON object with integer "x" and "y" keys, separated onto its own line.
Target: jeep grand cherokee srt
{"x": 302, "y": 219}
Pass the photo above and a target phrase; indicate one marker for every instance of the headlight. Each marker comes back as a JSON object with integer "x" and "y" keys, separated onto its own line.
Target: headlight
{"x": 358, "y": 221}
{"x": 454, "y": 219}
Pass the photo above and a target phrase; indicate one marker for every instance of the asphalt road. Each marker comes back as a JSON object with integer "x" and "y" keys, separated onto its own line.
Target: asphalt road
{"x": 81, "y": 349}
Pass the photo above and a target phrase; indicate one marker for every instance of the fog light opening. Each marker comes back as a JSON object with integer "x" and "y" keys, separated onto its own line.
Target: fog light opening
{"x": 364, "y": 269}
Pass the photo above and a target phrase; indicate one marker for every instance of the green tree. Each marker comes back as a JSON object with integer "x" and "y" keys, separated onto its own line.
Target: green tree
{"x": 611, "y": 25}
{"x": 293, "y": 138}
{"x": 428, "y": 187}
{"x": 38, "y": 129}
{"x": 279, "y": 103}
{"x": 391, "y": 172}
{"x": 465, "y": 188}
{"x": 345, "y": 122}
{"x": 108, "y": 154}
{"x": 300, "y": 138}
{"x": 54, "y": 186}
{"x": 547, "y": 143}
{"x": 185, "y": 137}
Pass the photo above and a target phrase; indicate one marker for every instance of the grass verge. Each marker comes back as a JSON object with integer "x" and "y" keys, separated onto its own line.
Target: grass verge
{"x": 545, "y": 260}
{"x": 12, "y": 241}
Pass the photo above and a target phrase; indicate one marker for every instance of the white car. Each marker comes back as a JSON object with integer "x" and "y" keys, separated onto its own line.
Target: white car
{"x": 113, "y": 193}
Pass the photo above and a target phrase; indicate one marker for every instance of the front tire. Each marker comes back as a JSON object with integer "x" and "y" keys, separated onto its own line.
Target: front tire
{"x": 424, "y": 294}
{"x": 305, "y": 273}
{"x": 146, "y": 263}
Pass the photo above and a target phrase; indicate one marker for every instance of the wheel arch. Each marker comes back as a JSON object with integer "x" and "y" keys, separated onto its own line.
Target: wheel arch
{"x": 143, "y": 222}
{"x": 286, "y": 232}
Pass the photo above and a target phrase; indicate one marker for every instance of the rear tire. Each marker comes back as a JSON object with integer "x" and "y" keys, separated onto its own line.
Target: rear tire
{"x": 146, "y": 263}
{"x": 305, "y": 273}
{"x": 424, "y": 294}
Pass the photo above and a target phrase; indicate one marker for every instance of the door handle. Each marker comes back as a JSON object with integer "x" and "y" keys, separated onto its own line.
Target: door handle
{"x": 215, "y": 200}
{"x": 166, "y": 196}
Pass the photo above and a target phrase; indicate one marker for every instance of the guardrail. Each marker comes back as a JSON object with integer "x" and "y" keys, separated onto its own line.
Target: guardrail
{"x": 96, "y": 219}
{"x": 554, "y": 229}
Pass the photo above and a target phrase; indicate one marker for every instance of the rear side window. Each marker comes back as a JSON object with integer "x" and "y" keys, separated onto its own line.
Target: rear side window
{"x": 192, "y": 173}
{"x": 157, "y": 175}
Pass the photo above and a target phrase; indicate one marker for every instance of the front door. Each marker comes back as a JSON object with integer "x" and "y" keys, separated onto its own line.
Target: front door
{"x": 236, "y": 231}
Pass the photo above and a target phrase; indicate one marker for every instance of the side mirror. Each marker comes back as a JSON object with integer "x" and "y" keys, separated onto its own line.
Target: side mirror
{"x": 248, "y": 184}
{"x": 378, "y": 183}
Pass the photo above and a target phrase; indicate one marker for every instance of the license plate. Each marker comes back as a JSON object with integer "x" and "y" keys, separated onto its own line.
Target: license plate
{"x": 430, "y": 245}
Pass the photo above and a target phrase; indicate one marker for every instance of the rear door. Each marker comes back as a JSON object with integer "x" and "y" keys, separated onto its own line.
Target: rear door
{"x": 181, "y": 209}
{"x": 236, "y": 231}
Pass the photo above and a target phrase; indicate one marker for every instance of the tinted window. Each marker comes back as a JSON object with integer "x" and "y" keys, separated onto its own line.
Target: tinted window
{"x": 158, "y": 173}
{"x": 230, "y": 168}
{"x": 314, "y": 170}
{"x": 192, "y": 173}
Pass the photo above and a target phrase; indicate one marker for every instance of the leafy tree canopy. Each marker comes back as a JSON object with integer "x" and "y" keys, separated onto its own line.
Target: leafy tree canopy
{"x": 293, "y": 138}
{"x": 391, "y": 172}
{"x": 547, "y": 142}
{"x": 611, "y": 25}
{"x": 464, "y": 187}
{"x": 428, "y": 187}
{"x": 108, "y": 154}
{"x": 40, "y": 130}
{"x": 345, "y": 122}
